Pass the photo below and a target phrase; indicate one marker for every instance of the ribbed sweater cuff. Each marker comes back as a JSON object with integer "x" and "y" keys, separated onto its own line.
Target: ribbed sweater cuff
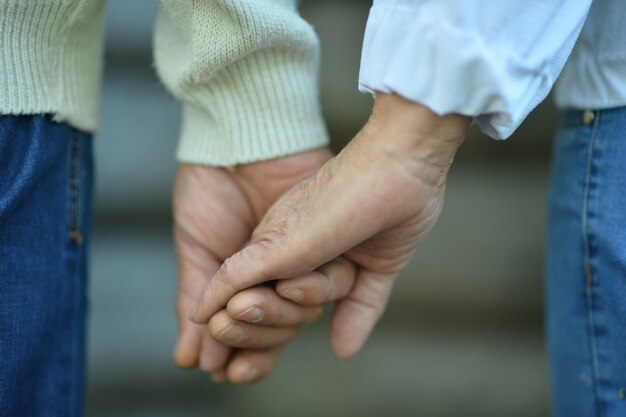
{"x": 261, "y": 107}
{"x": 51, "y": 59}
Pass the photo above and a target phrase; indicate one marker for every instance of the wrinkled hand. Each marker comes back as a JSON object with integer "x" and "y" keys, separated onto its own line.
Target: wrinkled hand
{"x": 215, "y": 212}
{"x": 373, "y": 204}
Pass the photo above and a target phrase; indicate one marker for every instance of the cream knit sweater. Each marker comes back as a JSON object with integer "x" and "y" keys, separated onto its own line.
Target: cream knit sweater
{"x": 245, "y": 70}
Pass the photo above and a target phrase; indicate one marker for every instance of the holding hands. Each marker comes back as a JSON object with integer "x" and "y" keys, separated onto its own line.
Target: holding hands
{"x": 342, "y": 234}
{"x": 215, "y": 212}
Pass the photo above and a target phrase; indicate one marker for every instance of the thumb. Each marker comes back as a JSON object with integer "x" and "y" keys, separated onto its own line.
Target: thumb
{"x": 356, "y": 315}
{"x": 290, "y": 256}
{"x": 246, "y": 268}
{"x": 312, "y": 224}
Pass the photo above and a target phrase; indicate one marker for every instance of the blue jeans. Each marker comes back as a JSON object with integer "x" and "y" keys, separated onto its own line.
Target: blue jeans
{"x": 586, "y": 265}
{"x": 45, "y": 205}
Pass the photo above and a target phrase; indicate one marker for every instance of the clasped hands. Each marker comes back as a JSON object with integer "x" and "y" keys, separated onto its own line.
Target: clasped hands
{"x": 315, "y": 229}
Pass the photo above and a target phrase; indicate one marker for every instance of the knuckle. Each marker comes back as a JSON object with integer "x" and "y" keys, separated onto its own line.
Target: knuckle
{"x": 372, "y": 306}
{"x": 223, "y": 278}
{"x": 270, "y": 232}
{"x": 247, "y": 267}
{"x": 279, "y": 255}
{"x": 227, "y": 268}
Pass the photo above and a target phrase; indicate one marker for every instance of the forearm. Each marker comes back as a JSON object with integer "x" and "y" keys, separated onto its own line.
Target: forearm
{"x": 411, "y": 131}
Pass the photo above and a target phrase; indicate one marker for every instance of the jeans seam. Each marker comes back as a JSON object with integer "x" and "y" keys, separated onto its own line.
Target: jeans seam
{"x": 589, "y": 272}
{"x": 74, "y": 182}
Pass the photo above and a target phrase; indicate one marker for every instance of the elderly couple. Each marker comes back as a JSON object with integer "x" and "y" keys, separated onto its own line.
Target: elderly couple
{"x": 260, "y": 198}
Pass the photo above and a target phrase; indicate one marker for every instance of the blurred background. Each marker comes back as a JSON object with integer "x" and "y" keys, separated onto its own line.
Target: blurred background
{"x": 463, "y": 332}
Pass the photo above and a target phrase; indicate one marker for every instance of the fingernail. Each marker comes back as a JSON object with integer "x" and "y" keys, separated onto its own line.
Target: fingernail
{"x": 294, "y": 294}
{"x": 249, "y": 374}
{"x": 252, "y": 315}
{"x": 233, "y": 334}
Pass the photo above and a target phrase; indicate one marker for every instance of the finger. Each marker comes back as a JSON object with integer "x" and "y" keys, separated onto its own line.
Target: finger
{"x": 249, "y": 366}
{"x": 194, "y": 345}
{"x": 188, "y": 346}
{"x": 356, "y": 315}
{"x": 327, "y": 283}
{"x": 213, "y": 355}
{"x": 189, "y": 342}
{"x": 244, "y": 335}
{"x": 262, "y": 306}
{"x": 299, "y": 233}
{"x": 219, "y": 376}
{"x": 229, "y": 280}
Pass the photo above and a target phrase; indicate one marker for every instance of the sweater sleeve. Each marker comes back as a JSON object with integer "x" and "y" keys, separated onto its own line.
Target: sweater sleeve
{"x": 492, "y": 60}
{"x": 246, "y": 72}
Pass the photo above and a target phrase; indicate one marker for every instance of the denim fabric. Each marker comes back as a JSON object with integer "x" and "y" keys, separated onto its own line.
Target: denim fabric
{"x": 45, "y": 203}
{"x": 586, "y": 268}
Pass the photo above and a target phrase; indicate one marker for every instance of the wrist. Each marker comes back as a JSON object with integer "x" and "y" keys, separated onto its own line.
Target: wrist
{"x": 411, "y": 131}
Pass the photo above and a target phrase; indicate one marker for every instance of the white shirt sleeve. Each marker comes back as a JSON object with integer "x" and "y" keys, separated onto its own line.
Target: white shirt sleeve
{"x": 494, "y": 60}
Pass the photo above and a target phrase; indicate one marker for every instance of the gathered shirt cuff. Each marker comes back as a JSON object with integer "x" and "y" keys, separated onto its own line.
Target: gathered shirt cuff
{"x": 493, "y": 63}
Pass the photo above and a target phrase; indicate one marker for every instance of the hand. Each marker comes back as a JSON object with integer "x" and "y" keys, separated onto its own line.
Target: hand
{"x": 215, "y": 211}
{"x": 373, "y": 204}
{"x": 261, "y": 322}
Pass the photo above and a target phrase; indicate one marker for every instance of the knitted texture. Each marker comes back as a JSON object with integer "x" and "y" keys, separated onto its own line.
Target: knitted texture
{"x": 51, "y": 59}
{"x": 247, "y": 73}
